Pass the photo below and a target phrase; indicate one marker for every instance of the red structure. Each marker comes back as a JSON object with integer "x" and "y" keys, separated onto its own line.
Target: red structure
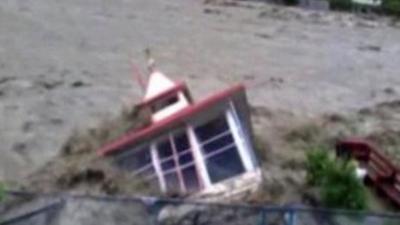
{"x": 382, "y": 174}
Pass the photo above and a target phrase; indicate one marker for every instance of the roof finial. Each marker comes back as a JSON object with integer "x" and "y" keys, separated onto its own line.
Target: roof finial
{"x": 137, "y": 75}
{"x": 150, "y": 61}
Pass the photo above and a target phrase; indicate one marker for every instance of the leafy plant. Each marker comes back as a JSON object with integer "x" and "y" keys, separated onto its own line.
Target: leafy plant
{"x": 340, "y": 4}
{"x": 342, "y": 189}
{"x": 2, "y": 191}
{"x": 391, "y": 7}
{"x": 316, "y": 165}
{"x": 337, "y": 180}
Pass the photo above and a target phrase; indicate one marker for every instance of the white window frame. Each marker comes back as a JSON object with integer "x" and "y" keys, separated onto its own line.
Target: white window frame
{"x": 226, "y": 114}
{"x": 239, "y": 139}
{"x": 157, "y": 166}
{"x": 178, "y": 169}
{"x": 245, "y": 137}
{"x": 199, "y": 158}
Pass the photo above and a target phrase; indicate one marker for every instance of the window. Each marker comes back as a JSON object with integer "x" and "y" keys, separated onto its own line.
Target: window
{"x": 168, "y": 165}
{"x": 163, "y": 103}
{"x": 219, "y": 149}
{"x": 177, "y": 163}
{"x": 186, "y": 161}
{"x": 138, "y": 161}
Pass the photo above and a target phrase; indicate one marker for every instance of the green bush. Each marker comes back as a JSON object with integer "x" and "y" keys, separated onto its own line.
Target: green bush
{"x": 2, "y": 191}
{"x": 316, "y": 165}
{"x": 337, "y": 180}
{"x": 340, "y": 4}
{"x": 391, "y": 7}
{"x": 388, "y": 6}
{"x": 342, "y": 189}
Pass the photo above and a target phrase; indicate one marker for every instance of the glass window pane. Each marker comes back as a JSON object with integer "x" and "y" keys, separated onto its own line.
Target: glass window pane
{"x": 133, "y": 159}
{"x": 167, "y": 165}
{"x": 224, "y": 165}
{"x": 181, "y": 142}
{"x": 185, "y": 158}
{"x": 172, "y": 182}
{"x": 211, "y": 128}
{"x": 191, "y": 179}
{"x": 218, "y": 143}
{"x": 164, "y": 149}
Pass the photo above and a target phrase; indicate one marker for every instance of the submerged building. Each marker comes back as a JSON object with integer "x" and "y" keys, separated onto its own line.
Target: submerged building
{"x": 200, "y": 148}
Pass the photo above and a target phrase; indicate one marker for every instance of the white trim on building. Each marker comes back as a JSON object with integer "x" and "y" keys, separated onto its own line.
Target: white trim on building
{"x": 245, "y": 137}
{"x": 198, "y": 157}
{"x": 240, "y": 142}
{"x": 157, "y": 166}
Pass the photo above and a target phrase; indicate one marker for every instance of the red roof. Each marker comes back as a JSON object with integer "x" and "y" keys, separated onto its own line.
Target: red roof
{"x": 133, "y": 137}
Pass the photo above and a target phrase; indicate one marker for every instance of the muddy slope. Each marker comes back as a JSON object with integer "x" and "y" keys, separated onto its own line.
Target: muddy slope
{"x": 77, "y": 168}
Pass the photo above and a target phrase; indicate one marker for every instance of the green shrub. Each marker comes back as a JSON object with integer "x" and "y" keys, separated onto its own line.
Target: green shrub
{"x": 342, "y": 189}
{"x": 2, "y": 191}
{"x": 340, "y": 4}
{"x": 336, "y": 179}
{"x": 388, "y": 6}
{"x": 316, "y": 165}
{"x": 391, "y": 7}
